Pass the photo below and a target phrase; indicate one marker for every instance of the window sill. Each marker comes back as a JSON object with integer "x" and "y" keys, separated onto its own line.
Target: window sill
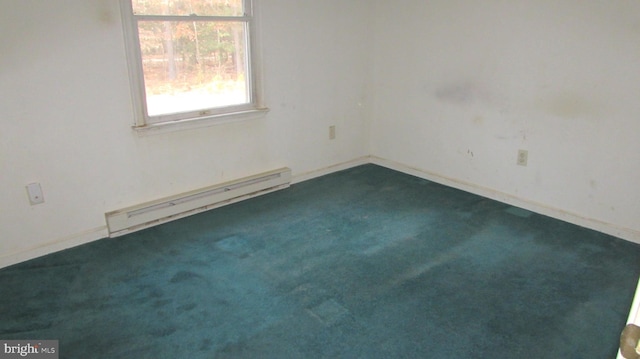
{"x": 180, "y": 125}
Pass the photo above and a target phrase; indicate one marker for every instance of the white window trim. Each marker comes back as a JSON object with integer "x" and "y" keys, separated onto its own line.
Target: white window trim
{"x": 254, "y": 110}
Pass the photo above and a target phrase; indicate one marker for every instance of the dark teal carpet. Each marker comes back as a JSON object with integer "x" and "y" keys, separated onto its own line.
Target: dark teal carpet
{"x": 364, "y": 263}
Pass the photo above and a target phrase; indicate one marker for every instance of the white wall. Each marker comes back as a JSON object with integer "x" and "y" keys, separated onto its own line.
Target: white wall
{"x": 461, "y": 85}
{"x": 66, "y": 115}
{"x": 446, "y": 89}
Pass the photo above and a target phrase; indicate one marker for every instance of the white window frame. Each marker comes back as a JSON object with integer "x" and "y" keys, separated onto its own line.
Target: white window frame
{"x": 199, "y": 118}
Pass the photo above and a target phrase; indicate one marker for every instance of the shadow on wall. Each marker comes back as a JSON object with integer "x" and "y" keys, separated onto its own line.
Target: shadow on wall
{"x": 461, "y": 93}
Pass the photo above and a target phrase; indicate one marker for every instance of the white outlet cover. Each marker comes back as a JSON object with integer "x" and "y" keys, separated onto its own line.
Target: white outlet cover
{"x": 523, "y": 157}
{"x": 34, "y": 190}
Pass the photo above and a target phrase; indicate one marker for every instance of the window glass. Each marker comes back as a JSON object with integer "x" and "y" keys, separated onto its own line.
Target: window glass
{"x": 193, "y": 65}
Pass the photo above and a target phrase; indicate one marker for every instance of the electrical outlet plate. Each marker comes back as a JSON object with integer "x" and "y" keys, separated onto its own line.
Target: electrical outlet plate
{"x": 523, "y": 157}
{"x": 35, "y": 193}
{"x": 332, "y": 132}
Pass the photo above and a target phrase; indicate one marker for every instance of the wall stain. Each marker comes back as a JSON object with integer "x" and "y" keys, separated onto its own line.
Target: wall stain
{"x": 569, "y": 105}
{"x": 105, "y": 13}
{"x": 460, "y": 93}
{"x": 520, "y": 135}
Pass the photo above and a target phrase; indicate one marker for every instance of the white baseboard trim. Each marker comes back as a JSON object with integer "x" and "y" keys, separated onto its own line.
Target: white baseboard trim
{"x": 54, "y": 246}
{"x": 301, "y": 177}
{"x": 101, "y": 232}
{"x": 628, "y": 234}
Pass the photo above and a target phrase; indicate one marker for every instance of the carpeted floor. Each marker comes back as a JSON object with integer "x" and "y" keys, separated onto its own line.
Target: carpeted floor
{"x": 363, "y": 263}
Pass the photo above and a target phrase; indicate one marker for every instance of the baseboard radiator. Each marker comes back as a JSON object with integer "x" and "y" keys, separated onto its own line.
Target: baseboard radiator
{"x": 148, "y": 214}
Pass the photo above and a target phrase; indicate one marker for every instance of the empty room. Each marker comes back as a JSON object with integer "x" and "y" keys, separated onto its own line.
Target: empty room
{"x": 320, "y": 179}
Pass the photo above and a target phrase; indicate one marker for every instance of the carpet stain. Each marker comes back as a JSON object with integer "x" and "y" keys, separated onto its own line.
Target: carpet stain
{"x": 183, "y": 276}
{"x": 163, "y": 332}
{"x": 187, "y": 307}
{"x": 308, "y": 294}
{"x": 236, "y": 246}
{"x": 329, "y": 312}
{"x": 206, "y": 345}
{"x": 161, "y": 303}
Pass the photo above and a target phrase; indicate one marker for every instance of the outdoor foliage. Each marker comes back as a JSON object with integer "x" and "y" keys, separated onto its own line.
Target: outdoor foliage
{"x": 191, "y": 52}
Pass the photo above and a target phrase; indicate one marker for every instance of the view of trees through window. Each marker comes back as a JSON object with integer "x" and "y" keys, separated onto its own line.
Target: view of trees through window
{"x": 192, "y": 62}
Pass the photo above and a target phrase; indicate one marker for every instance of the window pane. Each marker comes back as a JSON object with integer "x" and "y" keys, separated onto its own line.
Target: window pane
{"x": 193, "y": 65}
{"x": 187, "y": 7}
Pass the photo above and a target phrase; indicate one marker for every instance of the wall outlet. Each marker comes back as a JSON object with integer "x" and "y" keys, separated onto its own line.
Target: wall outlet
{"x": 332, "y": 132}
{"x": 34, "y": 190}
{"x": 523, "y": 157}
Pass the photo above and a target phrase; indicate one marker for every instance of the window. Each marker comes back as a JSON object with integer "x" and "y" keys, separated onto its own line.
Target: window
{"x": 190, "y": 59}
